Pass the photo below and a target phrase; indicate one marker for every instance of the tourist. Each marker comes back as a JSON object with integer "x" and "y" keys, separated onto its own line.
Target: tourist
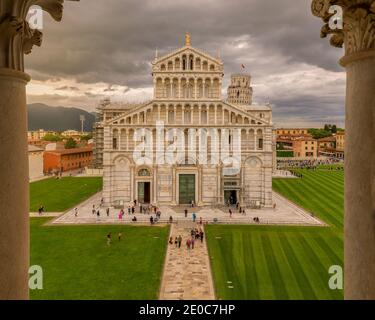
{"x": 129, "y": 210}
{"x": 135, "y": 202}
{"x": 140, "y": 208}
{"x": 201, "y": 234}
{"x": 188, "y": 243}
{"x": 119, "y": 236}
{"x": 200, "y": 220}
{"x": 194, "y": 216}
{"x": 170, "y": 240}
{"x": 230, "y": 213}
{"x": 244, "y": 212}
{"x": 192, "y": 203}
{"x": 93, "y": 211}
{"x": 109, "y": 239}
{"x": 186, "y": 213}
{"x": 76, "y": 212}
{"x": 107, "y": 212}
{"x": 101, "y": 202}
{"x": 192, "y": 243}
{"x": 176, "y": 242}
{"x": 98, "y": 213}
{"x": 133, "y": 210}
{"x": 120, "y": 216}
{"x": 192, "y": 233}
{"x": 170, "y": 219}
{"x": 151, "y": 220}
{"x": 134, "y": 219}
{"x": 179, "y": 241}
{"x": 41, "y": 210}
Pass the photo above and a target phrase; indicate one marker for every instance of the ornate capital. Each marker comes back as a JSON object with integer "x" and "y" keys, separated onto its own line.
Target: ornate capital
{"x": 358, "y": 33}
{"x": 17, "y": 38}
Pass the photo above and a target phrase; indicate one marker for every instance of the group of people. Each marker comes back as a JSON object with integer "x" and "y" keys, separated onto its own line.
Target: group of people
{"x": 195, "y": 235}
{"x": 95, "y": 211}
{"x": 109, "y": 238}
{"x": 307, "y": 163}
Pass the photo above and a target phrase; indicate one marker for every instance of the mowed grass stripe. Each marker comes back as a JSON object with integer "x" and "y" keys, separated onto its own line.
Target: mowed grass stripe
{"x": 319, "y": 271}
{"x": 277, "y": 283}
{"x": 252, "y": 278}
{"x": 317, "y": 204}
{"x": 265, "y": 288}
{"x": 305, "y": 287}
{"x": 291, "y": 282}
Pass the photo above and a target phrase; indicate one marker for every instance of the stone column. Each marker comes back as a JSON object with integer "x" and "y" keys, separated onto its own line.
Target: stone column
{"x": 17, "y": 39}
{"x": 358, "y": 38}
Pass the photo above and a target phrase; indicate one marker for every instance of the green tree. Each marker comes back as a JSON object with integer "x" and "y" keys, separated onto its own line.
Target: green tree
{"x": 52, "y": 137}
{"x": 70, "y": 144}
{"x": 86, "y": 137}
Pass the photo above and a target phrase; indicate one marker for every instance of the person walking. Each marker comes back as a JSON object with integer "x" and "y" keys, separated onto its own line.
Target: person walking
{"x": 98, "y": 213}
{"x": 194, "y": 216}
{"x": 188, "y": 243}
{"x": 119, "y": 236}
{"x": 230, "y": 213}
{"x": 76, "y": 212}
{"x": 179, "y": 241}
{"x": 186, "y": 213}
{"x": 192, "y": 242}
{"x": 93, "y": 211}
{"x": 109, "y": 239}
{"x": 107, "y": 212}
{"x": 201, "y": 235}
{"x": 176, "y": 241}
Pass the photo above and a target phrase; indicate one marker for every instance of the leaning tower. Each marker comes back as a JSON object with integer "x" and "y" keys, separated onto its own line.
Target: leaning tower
{"x": 240, "y": 92}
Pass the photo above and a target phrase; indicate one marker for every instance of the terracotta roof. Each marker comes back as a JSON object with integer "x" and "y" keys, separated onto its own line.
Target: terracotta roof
{"x": 327, "y": 139}
{"x": 71, "y": 151}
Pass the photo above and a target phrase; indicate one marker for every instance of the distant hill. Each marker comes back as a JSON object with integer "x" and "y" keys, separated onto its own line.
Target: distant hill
{"x": 41, "y": 116}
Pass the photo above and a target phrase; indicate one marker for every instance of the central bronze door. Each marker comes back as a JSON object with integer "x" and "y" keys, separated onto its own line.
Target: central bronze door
{"x": 186, "y": 185}
{"x": 144, "y": 192}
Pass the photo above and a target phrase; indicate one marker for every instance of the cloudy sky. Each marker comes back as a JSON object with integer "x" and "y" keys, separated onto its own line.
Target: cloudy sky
{"x": 104, "y": 48}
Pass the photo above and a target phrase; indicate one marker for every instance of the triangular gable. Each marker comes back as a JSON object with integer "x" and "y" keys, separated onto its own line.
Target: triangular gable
{"x": 187, "y": 48}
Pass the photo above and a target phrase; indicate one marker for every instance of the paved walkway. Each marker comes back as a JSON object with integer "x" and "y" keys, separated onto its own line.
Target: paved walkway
{"x": 285, "y": 213}
{"x": 187, "y": 273}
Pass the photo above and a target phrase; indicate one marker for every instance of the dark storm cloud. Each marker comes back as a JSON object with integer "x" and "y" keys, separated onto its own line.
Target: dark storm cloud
{"x": 114, "y": 41}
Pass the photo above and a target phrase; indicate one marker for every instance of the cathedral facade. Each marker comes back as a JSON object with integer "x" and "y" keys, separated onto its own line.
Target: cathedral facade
{"x": 188, "y": 143}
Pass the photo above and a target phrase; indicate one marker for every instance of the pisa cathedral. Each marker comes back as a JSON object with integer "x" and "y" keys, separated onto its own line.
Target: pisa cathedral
{"x": 187, "y": 96}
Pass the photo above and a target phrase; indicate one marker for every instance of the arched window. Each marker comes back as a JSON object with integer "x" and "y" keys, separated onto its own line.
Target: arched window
{"x": 144, "y": 173}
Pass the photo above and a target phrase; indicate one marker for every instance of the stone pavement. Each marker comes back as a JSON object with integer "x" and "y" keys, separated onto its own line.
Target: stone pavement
{"x": 187, "y": 273}
{"x": 44, "y": 215}
{"x": 285, "y": 213}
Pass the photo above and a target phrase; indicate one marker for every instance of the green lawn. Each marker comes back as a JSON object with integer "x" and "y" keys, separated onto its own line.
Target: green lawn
{"x": 283, "y": 262}
{"x": 78, "y": 264}
{"x": 58, "y": 195}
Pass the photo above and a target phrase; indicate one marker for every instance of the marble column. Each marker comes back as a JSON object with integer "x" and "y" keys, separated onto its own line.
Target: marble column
{"x": 17, "y": 39}
{"x": 358, "y": 39}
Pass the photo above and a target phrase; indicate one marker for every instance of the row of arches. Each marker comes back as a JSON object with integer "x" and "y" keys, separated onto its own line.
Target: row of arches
{"x": 183, "y": 88}
{"x": 188, "y": 62}
{"x": 185, "y": 114}
{"x": 248, "y": 139}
